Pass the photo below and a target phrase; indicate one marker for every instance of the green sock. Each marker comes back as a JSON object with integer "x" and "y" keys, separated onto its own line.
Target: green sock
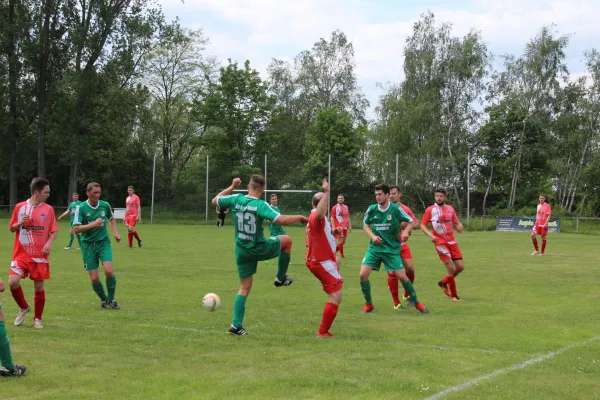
{"x": 70, "y": 240}
{"x": 282, "y": 266}
{"x": 239, "y": 308}
{"x": 111, "y": 287}
{"x": 99, "y": 289}
{"x": 408, "y": 286}
{"x": 366, "y": 290}
{"x": 5, "y": 356}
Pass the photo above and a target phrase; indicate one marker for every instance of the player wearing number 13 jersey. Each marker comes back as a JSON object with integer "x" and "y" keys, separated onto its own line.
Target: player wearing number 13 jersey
{"x": 251, "y": 246}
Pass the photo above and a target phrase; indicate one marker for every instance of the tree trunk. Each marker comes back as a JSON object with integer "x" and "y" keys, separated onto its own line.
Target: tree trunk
{"x": 487, "y": 190}
{"x": 13, "y": 125}
{"x": 41, "y": 87}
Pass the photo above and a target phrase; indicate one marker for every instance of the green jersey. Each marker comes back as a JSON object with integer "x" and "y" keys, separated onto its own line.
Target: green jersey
{"x": 248, "y": 216}
{"x": 72, "y": 208}
{"x": 385, "y": 223}
{"x": 276, "y": 229}
{"x": 85, "y": 213}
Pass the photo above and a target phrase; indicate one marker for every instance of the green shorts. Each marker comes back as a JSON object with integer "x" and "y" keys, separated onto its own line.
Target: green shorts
{"x": 94, "y": 252}
{"x": 391, "y": 261}
{"x": 247, "y": 259}
{"x": 276, "y": 230}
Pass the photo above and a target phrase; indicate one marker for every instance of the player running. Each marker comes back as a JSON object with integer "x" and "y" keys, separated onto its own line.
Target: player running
{"x": 7, "y": 366}
{"x": 133, "y": 213}
{"x": 71, "y": 212}
{"x": 405, "y": 253}
{"x": 90, "y": 221}
{"x": 321, "y": 259}
{"x": 340, "y": 220}
{"x": 249, "y": 212}
{"x": 544, "y": 212}
{"x": 443, "y": 220}
{"x": 382, "y": 224}
{"x": 34, "y": 224}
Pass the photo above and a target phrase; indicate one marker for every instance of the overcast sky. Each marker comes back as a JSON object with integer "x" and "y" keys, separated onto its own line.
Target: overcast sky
{"x": 259, "y": 30}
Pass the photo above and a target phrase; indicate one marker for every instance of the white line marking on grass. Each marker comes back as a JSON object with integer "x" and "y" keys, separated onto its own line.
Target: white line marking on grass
{"x": 506, "y": 370}
{"x": 296, "y": 337}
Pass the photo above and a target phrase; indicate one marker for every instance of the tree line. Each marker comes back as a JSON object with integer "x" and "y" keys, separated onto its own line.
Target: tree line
{"x": 93, "y": 90}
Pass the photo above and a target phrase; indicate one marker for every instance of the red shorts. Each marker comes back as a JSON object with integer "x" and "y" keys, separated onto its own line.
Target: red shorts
{"x": 405, "y": 253}
{"x": 328, "y": 273}
{"x": 448, "y": 251}
{"x": 36, "y": 271}
{"x": 130, "y": 220}
{"x": 340, "y": 235}
{"x": 540, "y": 230}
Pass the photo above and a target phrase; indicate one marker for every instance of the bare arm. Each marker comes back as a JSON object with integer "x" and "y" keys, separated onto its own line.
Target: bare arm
{"x": 139, "y": 216}
{"x": 17, "y": 225}
{"x": 113, "y": 225}
{"x": 82, "y": 228}
{"x": 428, "y": 233}
{"x": 290, "y": 219}
{"x": 406, "y": 232}
{"x": 48, "y": 246}
{"x": 375, "y": 239}
{"x": 234, "y": 184}
{"x": 324, "y": 203}
{"x": 63, "y": 214}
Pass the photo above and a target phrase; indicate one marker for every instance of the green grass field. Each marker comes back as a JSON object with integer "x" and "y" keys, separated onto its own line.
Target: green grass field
{"x": 527, "y": 328}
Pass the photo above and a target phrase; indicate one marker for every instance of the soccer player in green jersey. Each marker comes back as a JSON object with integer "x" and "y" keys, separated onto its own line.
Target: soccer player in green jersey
{"x": 71, "y": 211}
{"x": 275, "y": 229}
{"x": 7, "y": 367}
{"x": 90, "y": 221}
{"x": 251, "y": 246}
{"x": 382, "y": 223}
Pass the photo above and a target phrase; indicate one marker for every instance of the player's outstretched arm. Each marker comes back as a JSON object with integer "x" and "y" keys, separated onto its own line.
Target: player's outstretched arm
{"x": 290, "y": 219}
{"x": 63, "y": 214}
{"x": 234, "y": 184}
{"x": 323, "y": 203}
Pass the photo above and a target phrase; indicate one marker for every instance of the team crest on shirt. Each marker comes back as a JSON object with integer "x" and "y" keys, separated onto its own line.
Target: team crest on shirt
{"x": 102, "y": 213}
{"x": 389, "y": 217}
{"x": 43, "y": 216}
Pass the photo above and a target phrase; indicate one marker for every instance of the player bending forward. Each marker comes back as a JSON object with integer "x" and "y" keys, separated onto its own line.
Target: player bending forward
{"x": 443, "y": 220}
{"x": 321, "y": 259}
{"x": 249, "y": 212}
{"x": 382, "y": 224}
{"x": 544, "y": 212}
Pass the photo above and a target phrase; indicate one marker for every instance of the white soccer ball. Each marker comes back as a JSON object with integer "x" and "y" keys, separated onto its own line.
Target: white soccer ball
{"x": 211, "y": 301}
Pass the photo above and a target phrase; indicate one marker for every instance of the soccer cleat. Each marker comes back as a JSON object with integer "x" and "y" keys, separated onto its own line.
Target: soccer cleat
{"x": 79, "y": 248}
{"x": 398, "y": 307}
{"x": 219, "y": 223}
{"x": 131, "y": 247}
{"x": 421, "y": 307}
{"x": 455, "y": 298}
{"x": 368, "y": 308}
{"x": 535, "y": 253}
{"x": 17, "y": 370}
{"x": 445, "y": 288}
{"x": 37, "y": 323}
{"x": 286, "y": 282}
{"x": 103, "y": 305}
{"x": 540, "y": 254}
{"x": 325, "y": 335}
{"x": 237, "y": 331}
{"x": 21, "y": 316}
{"x": 408, "y": 301}
{"x": 67, "y": 248}
{"x": 114, "y": 305}
{"x": 139, "y": 243}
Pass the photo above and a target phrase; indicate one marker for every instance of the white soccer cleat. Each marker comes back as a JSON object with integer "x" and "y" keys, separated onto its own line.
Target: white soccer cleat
{"x": 535, "y": 253}
{"x": 37, "y": 324}
{"x": 21, "y": 316}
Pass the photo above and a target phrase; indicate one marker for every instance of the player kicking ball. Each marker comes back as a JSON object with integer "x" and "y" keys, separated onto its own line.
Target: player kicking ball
{"x": 321, "y": 259}
{"x": 382, "y": 223}
{"x": 251, "y": 246}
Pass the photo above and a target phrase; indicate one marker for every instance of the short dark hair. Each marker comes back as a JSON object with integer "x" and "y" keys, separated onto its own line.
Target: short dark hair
{"x": 341, "y": 194}
{"x": 383, "y": 187}
{"x": 257, "y": 181}
{"x": 129, "y": 187}
{"x": 272, "y": 195}
{"x": 442, "y": 191}
{"x": 395, "y": 187}
{"x": 38, "y": 184}
{"x": 92, "y": 185}
{"x": 75, "y": 194}
{"x": 545, "y": 197}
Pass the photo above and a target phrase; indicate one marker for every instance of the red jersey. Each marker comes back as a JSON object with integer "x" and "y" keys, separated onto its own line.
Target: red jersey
{"x": 31, "y": 238}
{"x": 132, "y": 203}
{"x": 410, "y": 214}
{"x": 341, "y": 215}
{"x": 543, "y": 212}
{"x": 320, "y": 244}
{"x": 442, "y": 220}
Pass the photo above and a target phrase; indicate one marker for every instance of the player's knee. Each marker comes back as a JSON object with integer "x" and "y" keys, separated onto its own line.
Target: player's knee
{"x": 364, "y": 276}
{"x": 336, "y": 298}
{"x": 13, "y": 284}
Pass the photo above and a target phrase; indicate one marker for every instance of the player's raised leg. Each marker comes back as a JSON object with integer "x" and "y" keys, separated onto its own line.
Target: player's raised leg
{"x": 284, "y": 261}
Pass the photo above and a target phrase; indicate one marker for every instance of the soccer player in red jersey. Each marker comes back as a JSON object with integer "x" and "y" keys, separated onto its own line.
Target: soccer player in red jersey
{"x": 405, "y": 253}
{"x": 133, "y": 212}
{"x": 321, "y": 258}
{"x": 544, "y": 212}
{"x": 340, "y": 220}
{"x": 443, "y": 219}
{"x": 34, "y": 224}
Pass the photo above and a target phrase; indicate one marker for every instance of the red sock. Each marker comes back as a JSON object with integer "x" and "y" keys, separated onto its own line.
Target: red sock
{"x": 337, "y": 247}
{"x": 342, "y": 250}
{"x": 19, "y": 297}
{"x": 535, "y": 244}
{"x": 137, "y": 237}
{"x": 40, "y": 301}
{"x": 445, "y": 280}
{"x": 329, "y": 313}
{"x": 411, "y": 278}
{"x": 393, "y": 285}
{"x": 452, "y": 285}
{"x": 543, "y": 245}
{"x": 130, "y": 238}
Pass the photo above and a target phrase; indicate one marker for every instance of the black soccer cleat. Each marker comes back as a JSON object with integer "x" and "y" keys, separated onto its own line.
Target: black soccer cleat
{"x": 103, "y": 305}
{"x": 286, "y": 282}
{"x": 114, "y": 305}
{"x": 237, "y": 331}
{"x": 139, "y": 243}
{"x": 17, "y": 370}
